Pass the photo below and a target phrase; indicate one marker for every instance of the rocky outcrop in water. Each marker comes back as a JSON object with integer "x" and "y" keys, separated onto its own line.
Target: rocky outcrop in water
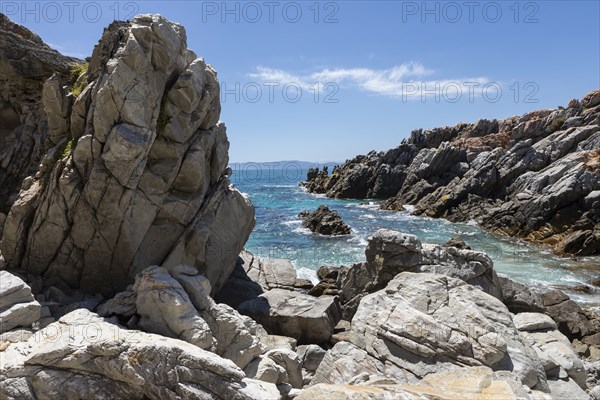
{"x": 324, "y": 222}
{"x": 536, "y": 176}
{"x": 138, "y": 173}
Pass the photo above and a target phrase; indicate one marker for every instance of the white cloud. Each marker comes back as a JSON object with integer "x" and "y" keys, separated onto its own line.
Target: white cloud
{"x": 408, "y": 81}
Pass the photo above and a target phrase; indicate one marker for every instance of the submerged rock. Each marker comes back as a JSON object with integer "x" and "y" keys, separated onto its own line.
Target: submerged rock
{"x": 325, "y": 222}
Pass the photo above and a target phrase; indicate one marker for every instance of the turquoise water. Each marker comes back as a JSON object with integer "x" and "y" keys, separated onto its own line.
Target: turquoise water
{"x": 278, "y": 199}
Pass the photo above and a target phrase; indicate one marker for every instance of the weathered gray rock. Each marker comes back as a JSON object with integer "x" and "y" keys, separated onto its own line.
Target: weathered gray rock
{"x": 552, "y": 347}
{"x": 56, "y": 363}
{"x": 239, "y": 287}
{"x": 18, "y": 307}
{"x": 123, "y": 304}
{"x": 279, "y": 366}
{"x": 518, "y": 297}
{"x": 308, "y": 319}
{"x": 345, "y": 361}
{"x": 529, "y": 322}
{"x": 2, "y": 221}
{"x": 25, "y": 64}
{"x": 572, "y": 320}
{"x": 390, "y": 253}
{"x": 566, "y": 389}
{"x": 310, "y": 357}
{"x": 426, "y": 323}
{"x": 140, "y": 176}
{"x": 167, "y": 307}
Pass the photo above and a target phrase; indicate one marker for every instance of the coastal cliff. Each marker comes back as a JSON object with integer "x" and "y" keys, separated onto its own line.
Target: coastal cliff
{"x": 122, "y": 273}
{"x": 535, "y": 176}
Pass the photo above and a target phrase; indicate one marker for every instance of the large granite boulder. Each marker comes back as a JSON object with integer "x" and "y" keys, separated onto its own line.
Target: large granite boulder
{"x": 389, "y": 253}
{"x": 85, "y": 356}
{"x": 176, "y": 303}
{"x": 429, "y": 323}
{"x": 18, "y": 307}
{"x": 308, "y": 319}
{"x": 139, "y": 175}
{"x": 553, "y": 348}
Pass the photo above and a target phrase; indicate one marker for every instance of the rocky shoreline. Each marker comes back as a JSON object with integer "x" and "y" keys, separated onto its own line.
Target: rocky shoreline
{"x": 123, "y": 274}
{"x": 534, "y": 176}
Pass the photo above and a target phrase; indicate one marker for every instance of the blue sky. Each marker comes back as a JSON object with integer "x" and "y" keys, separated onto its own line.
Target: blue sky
{"x": 328, "y": 80}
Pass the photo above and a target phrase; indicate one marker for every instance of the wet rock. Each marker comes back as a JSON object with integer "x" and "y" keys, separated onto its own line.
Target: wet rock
{"x": 325, "y": 222}
{"x": 458, "y": 243}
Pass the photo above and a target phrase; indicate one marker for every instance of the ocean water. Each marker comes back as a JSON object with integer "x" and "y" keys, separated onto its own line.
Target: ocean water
{"x": 279, "y": 199}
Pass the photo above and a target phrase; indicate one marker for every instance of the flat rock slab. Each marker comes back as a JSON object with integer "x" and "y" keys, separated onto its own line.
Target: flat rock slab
{"x": 308, "y": 319}
{"x": 17, "y": 305}
{"x": 533, "y": 322}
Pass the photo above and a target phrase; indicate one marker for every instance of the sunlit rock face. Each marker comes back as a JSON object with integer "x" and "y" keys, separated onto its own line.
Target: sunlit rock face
{"x": 137, "y": 174}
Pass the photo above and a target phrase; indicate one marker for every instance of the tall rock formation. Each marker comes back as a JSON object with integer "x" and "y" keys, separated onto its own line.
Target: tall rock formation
{"x": 137, "y": 174}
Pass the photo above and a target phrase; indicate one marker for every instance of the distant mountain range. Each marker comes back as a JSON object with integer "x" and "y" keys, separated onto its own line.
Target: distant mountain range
{"x": 282, "y": 164}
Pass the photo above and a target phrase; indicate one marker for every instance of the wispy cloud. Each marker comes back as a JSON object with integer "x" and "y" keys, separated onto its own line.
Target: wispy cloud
{"x": 409, "y": 80}
{"x": 64, "y": 51}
